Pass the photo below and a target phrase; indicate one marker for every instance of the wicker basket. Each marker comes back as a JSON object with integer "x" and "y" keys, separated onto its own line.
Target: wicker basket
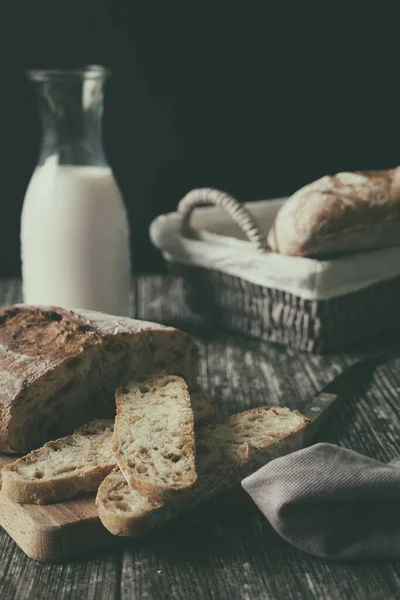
{"x": 310, "y": 305}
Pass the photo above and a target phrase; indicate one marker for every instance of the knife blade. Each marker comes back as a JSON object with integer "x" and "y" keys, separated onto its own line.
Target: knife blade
{"x": 319, "y": 410}
{"x": 322, "y": 406}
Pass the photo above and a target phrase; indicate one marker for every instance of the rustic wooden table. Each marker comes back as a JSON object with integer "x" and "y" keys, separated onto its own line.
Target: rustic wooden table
{"x": 244, "y": 558}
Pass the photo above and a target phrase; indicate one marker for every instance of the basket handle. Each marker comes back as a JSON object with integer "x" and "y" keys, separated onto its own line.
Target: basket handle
{"x": 238, "y": 213}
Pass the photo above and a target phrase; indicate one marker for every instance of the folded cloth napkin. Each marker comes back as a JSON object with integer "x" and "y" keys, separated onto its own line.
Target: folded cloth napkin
{"x": 332, "y": 502}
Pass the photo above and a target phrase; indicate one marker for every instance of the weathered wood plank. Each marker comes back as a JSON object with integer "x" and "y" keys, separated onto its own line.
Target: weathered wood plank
{"x": 243, "y": 558}
{"x": 246, "y": 559}
{"x": 21, "y": 578}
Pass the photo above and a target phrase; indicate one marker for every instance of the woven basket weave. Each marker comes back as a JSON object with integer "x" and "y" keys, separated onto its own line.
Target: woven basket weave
{"x": 272, "y": 314}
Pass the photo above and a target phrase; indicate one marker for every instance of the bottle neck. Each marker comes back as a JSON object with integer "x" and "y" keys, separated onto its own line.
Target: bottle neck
{"x": 71, "y": 111}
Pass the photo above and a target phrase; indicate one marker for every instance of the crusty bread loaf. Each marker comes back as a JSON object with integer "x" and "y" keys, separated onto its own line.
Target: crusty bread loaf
{"x": 225, "y": 453}
{"x": 154, "y": 435}
{"x": 61, "y": 469}
{"x": 337, "y": 214}
{"x": 59, "y": 369}
{"x": 76, "y": 463}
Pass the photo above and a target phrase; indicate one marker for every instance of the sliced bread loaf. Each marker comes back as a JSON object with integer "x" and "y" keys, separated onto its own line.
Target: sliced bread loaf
{"x": 61, "y": 469}
{"x": 226, "y": 452}
{"x": 59, "y": 368}
{"x": 154, "y": 435}
{"x": 75, "y": 463}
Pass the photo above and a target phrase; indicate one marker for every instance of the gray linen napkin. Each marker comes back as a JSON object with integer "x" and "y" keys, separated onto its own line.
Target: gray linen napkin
{"x": 332, "y": 502}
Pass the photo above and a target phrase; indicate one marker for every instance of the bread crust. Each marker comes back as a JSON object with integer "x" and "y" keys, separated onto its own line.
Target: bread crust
{"x": 223, "y": 460}
{"x": 155, "y": 453}
{"x": 46, "y": 490}
{"x": 36, "y": 341}
{"x": 346, "y": 212}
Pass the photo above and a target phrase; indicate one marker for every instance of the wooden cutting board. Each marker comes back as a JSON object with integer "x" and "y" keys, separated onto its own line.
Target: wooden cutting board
{"x": 55, "y": 532}
{"x": 72, "y": 529}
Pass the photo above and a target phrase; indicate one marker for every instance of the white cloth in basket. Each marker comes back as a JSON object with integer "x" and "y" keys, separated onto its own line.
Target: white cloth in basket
{"x": 221, "y": 246}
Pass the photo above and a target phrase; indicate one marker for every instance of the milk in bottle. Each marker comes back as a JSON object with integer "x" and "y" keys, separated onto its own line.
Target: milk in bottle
{"x": 74, "y": 227}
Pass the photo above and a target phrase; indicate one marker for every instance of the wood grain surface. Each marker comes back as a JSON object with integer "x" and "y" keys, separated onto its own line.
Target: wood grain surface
{"x": 238, "y": 557}
{"x": 72, "y": 529}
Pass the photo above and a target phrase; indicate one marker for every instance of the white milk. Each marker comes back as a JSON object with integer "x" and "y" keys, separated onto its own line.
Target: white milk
{"x": 75, "y": 239}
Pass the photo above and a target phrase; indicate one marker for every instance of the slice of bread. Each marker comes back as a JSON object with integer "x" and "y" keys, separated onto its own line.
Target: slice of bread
{"x": 154, "y": 435}
{"x": 61, "y": 469}
{"x": 61, "y": 461}
{"x": 226, "y": 452}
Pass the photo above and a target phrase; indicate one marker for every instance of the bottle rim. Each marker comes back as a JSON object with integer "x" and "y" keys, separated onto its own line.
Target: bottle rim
{"x": 87, "y": 72}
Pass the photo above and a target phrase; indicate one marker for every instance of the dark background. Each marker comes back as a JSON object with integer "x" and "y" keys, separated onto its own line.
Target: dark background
{"x": 256, "y": 98}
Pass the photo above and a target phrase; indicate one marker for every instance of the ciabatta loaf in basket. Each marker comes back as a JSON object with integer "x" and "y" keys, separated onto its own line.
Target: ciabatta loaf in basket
{"x": 338, "y": 214}
{"x": 311, "y": 303}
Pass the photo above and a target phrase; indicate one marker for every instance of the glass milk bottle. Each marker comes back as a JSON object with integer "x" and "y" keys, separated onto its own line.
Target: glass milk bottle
{"x": 74, "y": 227}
